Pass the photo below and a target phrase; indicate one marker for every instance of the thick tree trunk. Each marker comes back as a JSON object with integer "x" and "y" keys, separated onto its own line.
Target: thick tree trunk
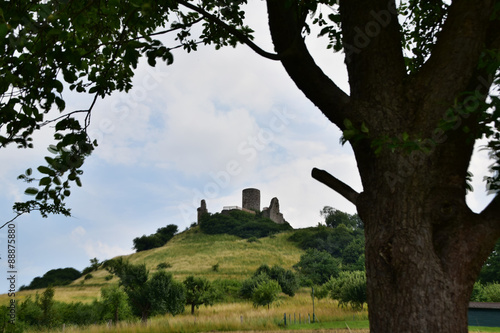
{"x": 424, "y": 247}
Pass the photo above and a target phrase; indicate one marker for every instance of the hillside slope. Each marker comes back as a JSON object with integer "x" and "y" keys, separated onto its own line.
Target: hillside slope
{"x": 191, "y": 253}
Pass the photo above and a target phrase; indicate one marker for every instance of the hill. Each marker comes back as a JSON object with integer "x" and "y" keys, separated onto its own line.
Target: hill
{"x": 191, "y": 253}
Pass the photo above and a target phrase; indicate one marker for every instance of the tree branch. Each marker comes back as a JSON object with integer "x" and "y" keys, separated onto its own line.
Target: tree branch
{"x": 337, "y": 185}
{"x": 235, "y": 32}
{"x": 373, "y": 50}
{"x": 456, "y": 52}
{"x": 491, "y": 214}
{"x": 286, "y": 22}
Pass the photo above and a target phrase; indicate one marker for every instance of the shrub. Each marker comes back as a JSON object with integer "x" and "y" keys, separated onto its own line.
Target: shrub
{"x": 88, "y": 276}
{"x": 163, "y": 265}
{"x": 491, "y": 293}
{"x": 54, "y": 277}
{"x": 241, "y": 224}
{"x": 349, "y": 288}
{"x": 158, "y": 239}
{"x": 249, "y": 285}
{"x": 265, "y": 293}
{"x": 226, "y": 290}
{"x": 287, "y": 280}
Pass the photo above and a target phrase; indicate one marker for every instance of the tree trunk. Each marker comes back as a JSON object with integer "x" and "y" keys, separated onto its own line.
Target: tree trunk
{"x": 424, "y": 247}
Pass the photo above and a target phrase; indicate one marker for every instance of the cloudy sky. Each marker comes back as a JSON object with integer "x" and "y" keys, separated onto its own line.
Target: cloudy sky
{"x": 210, "y": 125}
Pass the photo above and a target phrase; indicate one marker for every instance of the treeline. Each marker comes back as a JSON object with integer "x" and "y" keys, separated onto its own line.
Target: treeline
{"x": 342, "y": 237}
{"x": 241, "y": 224}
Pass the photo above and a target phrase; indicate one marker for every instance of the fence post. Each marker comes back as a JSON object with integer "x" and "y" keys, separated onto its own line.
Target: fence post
{"x": 284, "y": 318}
{"x": 308, "y": 318}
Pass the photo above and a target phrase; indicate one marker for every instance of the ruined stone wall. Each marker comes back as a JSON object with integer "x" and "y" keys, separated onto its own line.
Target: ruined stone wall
{"x": 273, "y": 212}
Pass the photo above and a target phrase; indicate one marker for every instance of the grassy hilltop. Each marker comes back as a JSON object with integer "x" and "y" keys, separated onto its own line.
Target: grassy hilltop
{"x": 191, "y": 253}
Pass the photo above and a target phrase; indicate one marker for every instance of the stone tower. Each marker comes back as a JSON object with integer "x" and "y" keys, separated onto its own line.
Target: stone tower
{"x": 251, "y": 199}
{"x": 202, "y": 210}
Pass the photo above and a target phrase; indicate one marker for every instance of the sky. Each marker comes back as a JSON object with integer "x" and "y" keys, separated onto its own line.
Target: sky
{"x": 206, "y": 127}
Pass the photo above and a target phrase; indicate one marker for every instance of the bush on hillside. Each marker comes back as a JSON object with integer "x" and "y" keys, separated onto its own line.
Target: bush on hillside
{"x": 241, "y": 224}
{"x": 287, "y": 279}
{"x": 54, "y": 277}
{"x": 158, "y": 239}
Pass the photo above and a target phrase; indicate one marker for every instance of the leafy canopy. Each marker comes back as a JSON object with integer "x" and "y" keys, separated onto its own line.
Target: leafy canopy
{"x": 92, "y": 48}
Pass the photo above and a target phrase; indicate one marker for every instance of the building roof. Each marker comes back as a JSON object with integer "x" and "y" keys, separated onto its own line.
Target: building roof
{"x": 483, "y": 305}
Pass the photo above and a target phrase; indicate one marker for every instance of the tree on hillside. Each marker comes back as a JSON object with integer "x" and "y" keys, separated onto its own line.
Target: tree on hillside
{"x": 158, "y": 239}
{"x": 334, "y": 217}
{"x": 419, "y": 75}
{"x": 54, "y": 277}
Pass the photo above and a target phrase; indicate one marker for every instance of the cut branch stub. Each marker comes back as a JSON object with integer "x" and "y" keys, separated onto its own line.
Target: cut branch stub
{"x": 337, "y": 185}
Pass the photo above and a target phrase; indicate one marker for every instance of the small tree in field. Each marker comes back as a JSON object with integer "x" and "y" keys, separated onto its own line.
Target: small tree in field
{"x": 349, "y": 288}
{"x": 198, "y": 291}
{"x": 159, "y": 294}
{"x": 115, "y": 303}
{"x": 267, "y": 292}
{"x": 318, "y": 266}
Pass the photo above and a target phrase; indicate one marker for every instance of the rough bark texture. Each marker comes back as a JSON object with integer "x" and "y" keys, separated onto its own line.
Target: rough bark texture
{"x": 424, "y": 246}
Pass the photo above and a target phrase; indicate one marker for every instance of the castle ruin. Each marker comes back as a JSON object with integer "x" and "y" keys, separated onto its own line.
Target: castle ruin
{"x": 250, "y": 202}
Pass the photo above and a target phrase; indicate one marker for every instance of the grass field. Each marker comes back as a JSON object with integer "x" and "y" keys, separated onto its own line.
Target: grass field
{"x": 242, "y": 316}
{"x": 194, "y": 253}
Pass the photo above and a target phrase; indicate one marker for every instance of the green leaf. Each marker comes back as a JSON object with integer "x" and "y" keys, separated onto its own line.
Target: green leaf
{"x": 53, "y": 149}
{"x": 364, "y": 129}
{"x": 31, "y": 191}
{"x": 46, "y": 170}
{"x": 348, "y": 124}
{"x": 45, "y": 181}
{"x": 29, "y": 172}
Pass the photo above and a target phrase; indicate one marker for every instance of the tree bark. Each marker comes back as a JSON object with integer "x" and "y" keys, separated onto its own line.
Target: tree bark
{"x": 424, "y": 246}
